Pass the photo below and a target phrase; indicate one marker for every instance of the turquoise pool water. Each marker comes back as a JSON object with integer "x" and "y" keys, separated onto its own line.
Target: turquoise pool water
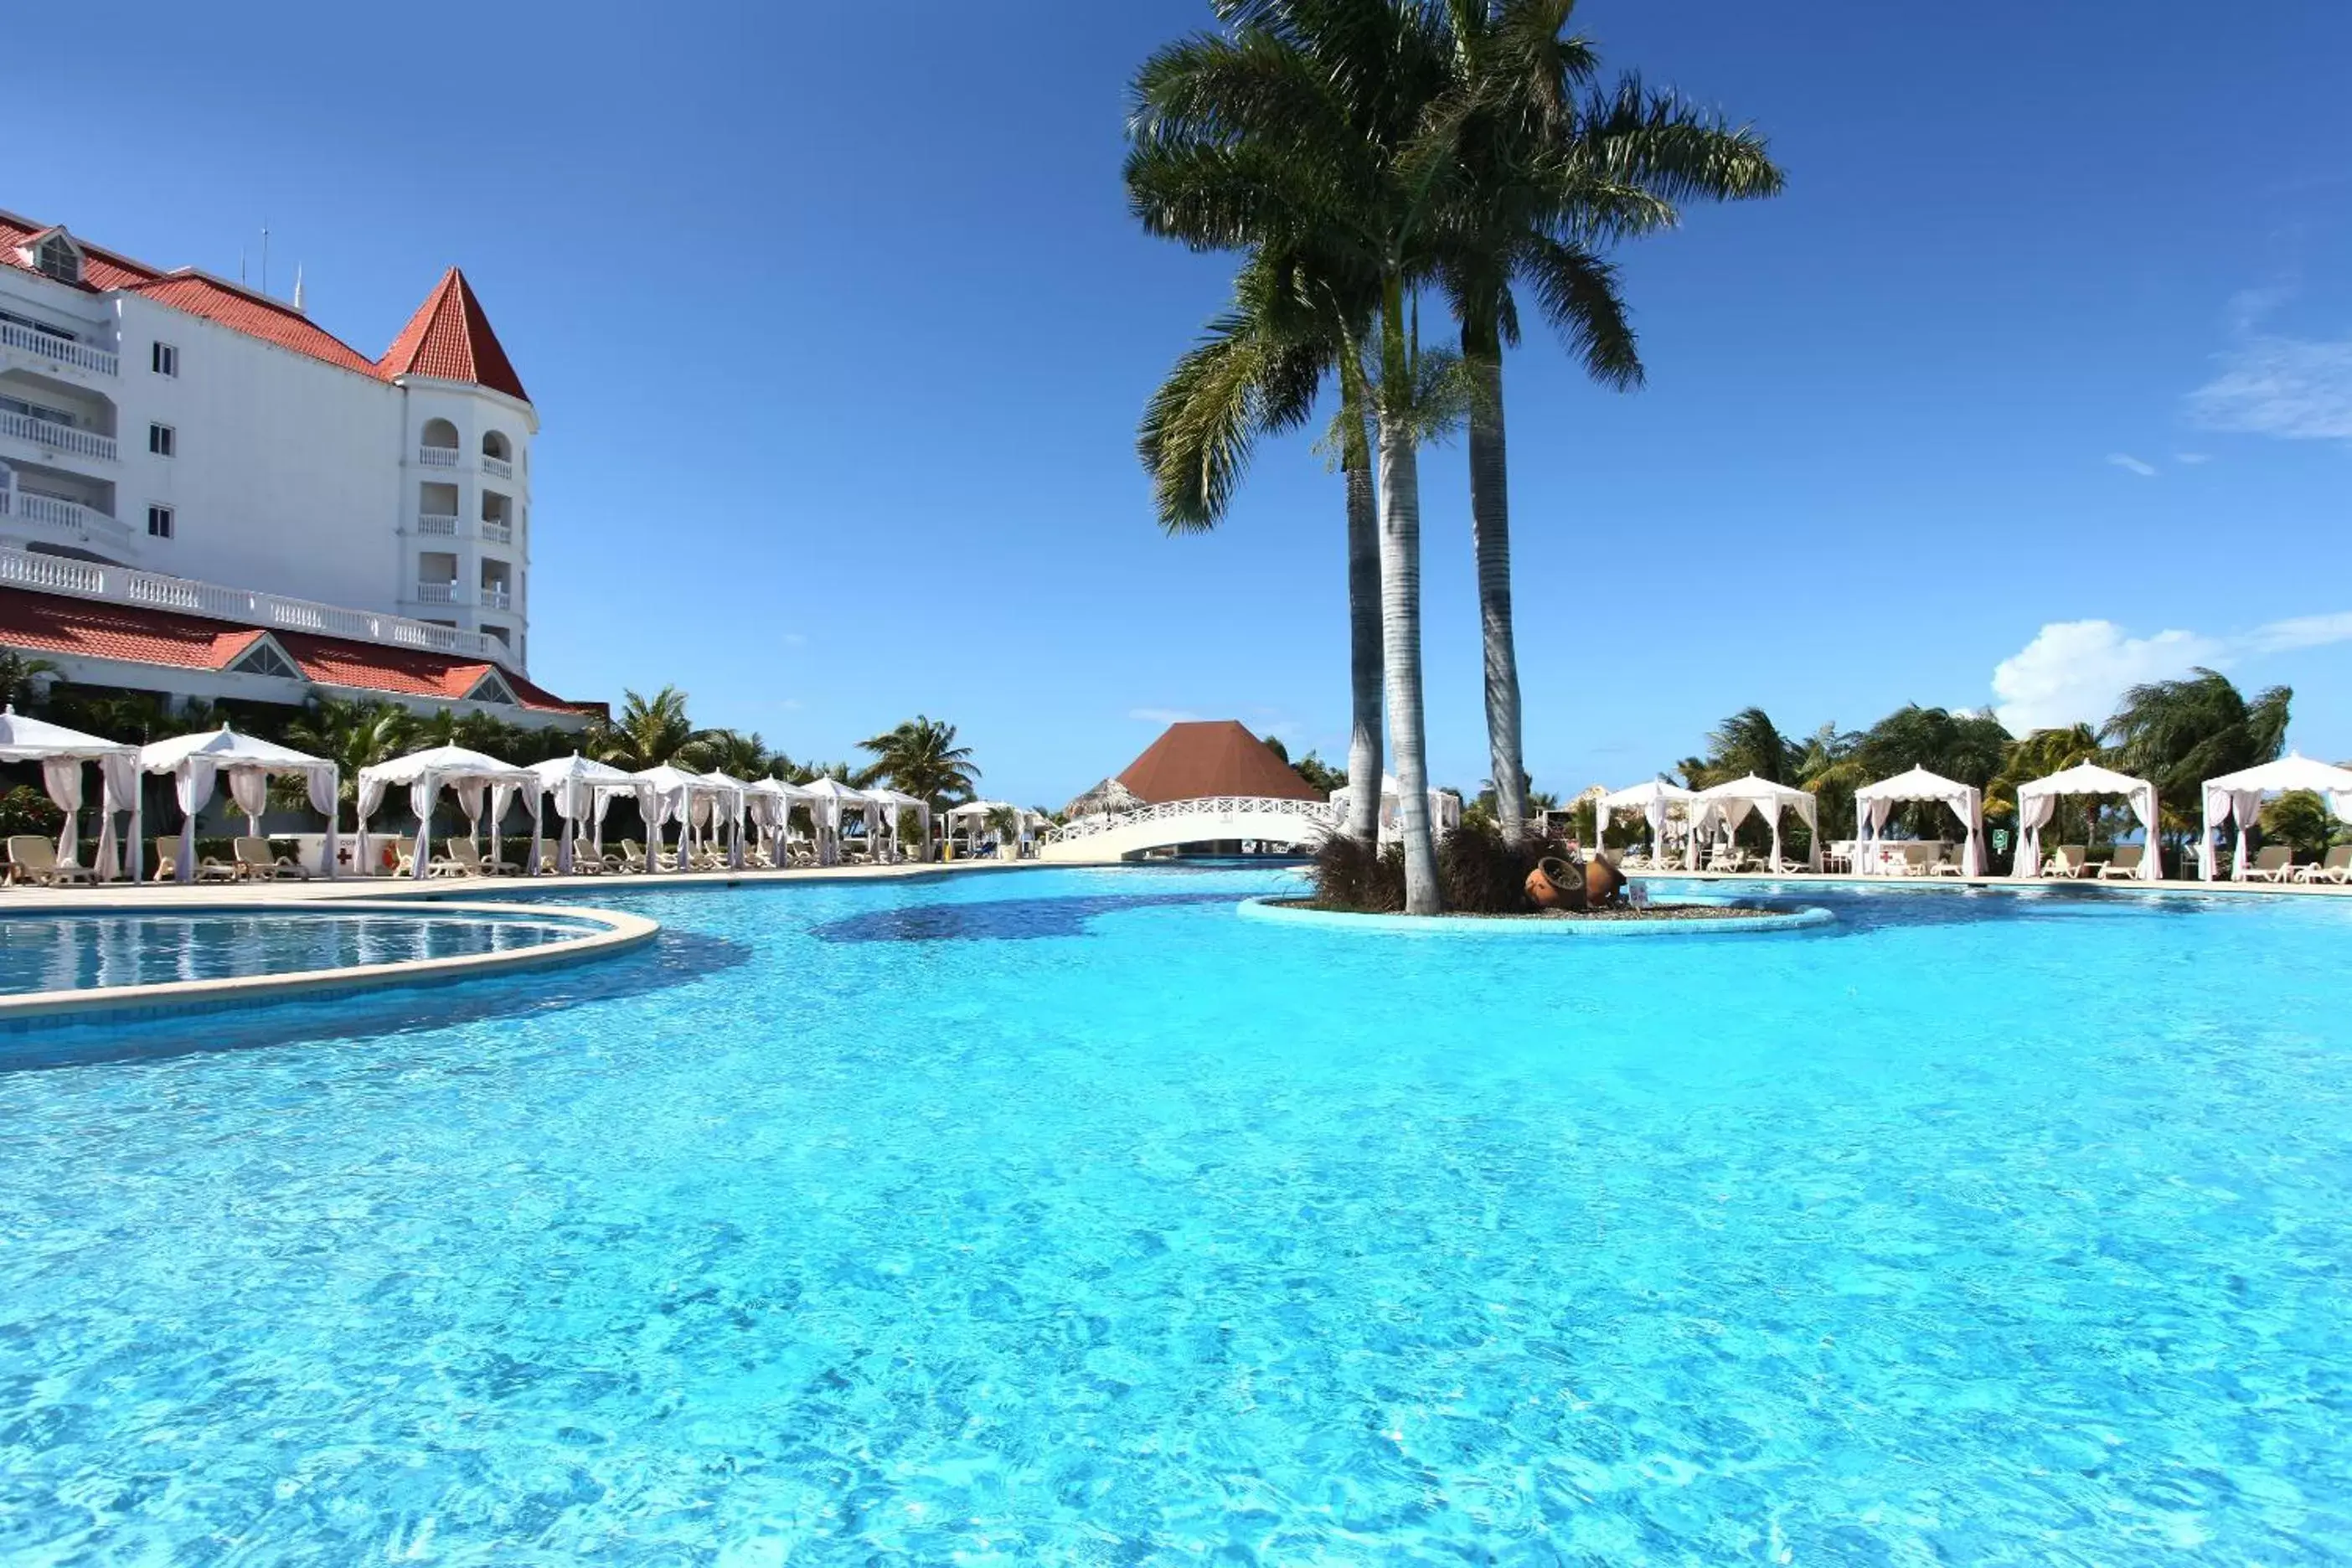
{"x": 1067, "y": 1217}
{"x": 65, "y": 952}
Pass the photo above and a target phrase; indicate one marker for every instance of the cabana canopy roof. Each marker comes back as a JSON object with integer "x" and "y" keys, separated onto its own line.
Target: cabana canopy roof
{"x": 224, "y": 748}
{"x": 1918, "y": 783}
{"x": 2082, "y": 778}
{"x": 451, "y": 764}
{"x": 576, "y": 769}
{"x": 833, "y": 789}
{"x": 23, "y": 740}
{"x": 2293, "y": 771}
{"x": 1642, "y": 795}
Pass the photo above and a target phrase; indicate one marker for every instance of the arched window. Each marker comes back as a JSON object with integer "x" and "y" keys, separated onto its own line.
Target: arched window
{"x": 496, "y": 444}
{"x": 440, "y": 433}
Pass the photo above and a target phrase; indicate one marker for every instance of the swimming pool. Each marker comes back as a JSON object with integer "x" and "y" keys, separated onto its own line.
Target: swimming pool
{"x": 51, "y": 951}
{"x": 1066, "y": 1216}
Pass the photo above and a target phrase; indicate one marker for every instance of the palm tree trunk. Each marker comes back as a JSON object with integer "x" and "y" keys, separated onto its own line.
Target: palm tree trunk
{"x": 1364, "y": 653}
{"x": 1400, "y": 609}
{"x": 1490, "y": 532}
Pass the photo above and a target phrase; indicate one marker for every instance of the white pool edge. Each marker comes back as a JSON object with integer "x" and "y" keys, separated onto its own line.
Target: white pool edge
{"x": 1275, "y": 913}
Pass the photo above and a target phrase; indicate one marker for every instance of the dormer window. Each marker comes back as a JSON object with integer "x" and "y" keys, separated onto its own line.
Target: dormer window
{"x": 54, "y": 255}
{"x": 491, "y": 688}
{"x": 265, "y": 658}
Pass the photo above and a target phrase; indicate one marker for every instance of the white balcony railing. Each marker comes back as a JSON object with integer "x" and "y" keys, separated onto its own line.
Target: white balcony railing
{"x": 437, "y": 592}
{"x": 129, "y": 585}
{"x": 56, "y": 438}
{"x": 426, "y": 523}
{"x": 497, "y": 468}
{"x": 438, "y": 457}
{"x": 497, "y": 598}
{"x": 58, "y": 350}
{"x": 494, "y": 532}
{"x": 71, "y": 516}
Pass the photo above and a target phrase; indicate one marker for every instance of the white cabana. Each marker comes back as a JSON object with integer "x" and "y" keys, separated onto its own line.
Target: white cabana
{"x": 1655, "y": 799}
{"x": 196, "y": 762}
{"x": 1731, "y": 803}
{"x": 895, "y": 800}
{"x": 669, "y": 793}
{"x": 583, "y": 791}
{"x": 1444, "y": 807}
{"x": 469, "y": 774}
{"x": 829, "y": 799}
{"x": 769, "y": 803}
{"x": 2037, "y": 799}
{"x": 728, "y": 806}
{"x": 1873, "y": 804}
{"x": 2237, "y": 798}
{"x": 975, "y": 814}
{"x": 62, "y": 753}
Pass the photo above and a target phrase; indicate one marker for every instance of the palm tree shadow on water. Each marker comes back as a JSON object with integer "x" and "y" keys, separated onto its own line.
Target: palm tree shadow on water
{"x": 1001, "y": 920}
{"x": 671, "y": 959}
{"x": 1861, "y": 910}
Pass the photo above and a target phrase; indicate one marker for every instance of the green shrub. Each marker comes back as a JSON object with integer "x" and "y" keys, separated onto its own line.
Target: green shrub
{"x": 29, "y": 810}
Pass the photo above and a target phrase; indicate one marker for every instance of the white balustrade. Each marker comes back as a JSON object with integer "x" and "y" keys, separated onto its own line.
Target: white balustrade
{"x": 56, "y": 438}
{"x": 497, "y": 598}
{"x": 437, "y": 592}
{"x": 438, "y": 457}
{"x": 129, "y": 585}
{"x": 58, "y": 350}
{"x": 497, "y": 468}
{"x": 1318, "y": 812}
{"x": 427, "y": 522}
{"x": 497, "y": 532}
{"x": 58, "y": 513}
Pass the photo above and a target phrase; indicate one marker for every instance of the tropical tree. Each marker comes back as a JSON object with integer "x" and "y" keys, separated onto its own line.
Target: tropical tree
{"x": 1545, "y": 173}
{"x": 920, "y": 757}
{"x": 649, "y": 731}
{"x": 1302, "y": 131}
{"x": 738, "y": 753}
{"x": 2178, "y": 734}
{"x": 1747, "y": 742}
{"x": 353, "y": 735}
{"x": 17, "y": 673}
{"x": 1258, "y": 371}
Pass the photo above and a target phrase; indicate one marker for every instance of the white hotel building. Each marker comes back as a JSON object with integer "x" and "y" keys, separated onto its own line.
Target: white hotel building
{"x": 206, "y": 494}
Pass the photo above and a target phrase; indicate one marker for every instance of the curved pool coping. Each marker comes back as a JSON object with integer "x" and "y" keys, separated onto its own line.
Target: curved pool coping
{"x": 612, "y": 932}
{"x": 1271, "y": 911}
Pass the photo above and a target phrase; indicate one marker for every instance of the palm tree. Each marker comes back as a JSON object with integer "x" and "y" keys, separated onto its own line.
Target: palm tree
{"x": 1747, "y": 742}
{"x": 734, "y": 752}
{"x": 1300, "y": 132}
{"x": 2178, "y": 734}
{"x": 650, "y": 731}
{"x": 18, "y": 676}
{"x": 1538, "y": 184}
{"x": 353, "y": 735}
{"x": 1257, "y": 371}
{"x": 920, "y": 757}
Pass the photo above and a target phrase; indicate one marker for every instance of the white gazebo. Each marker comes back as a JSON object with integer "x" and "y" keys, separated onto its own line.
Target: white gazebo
{"x": 829, "y": 800}
{"x": 2237, "y": 798}
{"x": 469, "y": 774}
{"x": 2036, "y": 800}
{"x": 583, "y": 790}
{"x": 669, "y": 793}
{"x": 895, "y": 800}
{"x": 977, "y": 812}
{"x": 727, "y": 802}
{"x": 1731, "y": 804}
{"x": 769, "y": 803}
{"x": 1873, "y": 804}
{"x": 1444, "y": 807}
{"x": 1655, "y": 799}
{"x": 196, "y": 762}
{"x": 62, "y": 753}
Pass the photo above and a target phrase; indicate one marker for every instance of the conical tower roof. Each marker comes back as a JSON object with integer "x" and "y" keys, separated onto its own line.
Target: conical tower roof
{"x": 1196, "y": 761}
{"x": 449, "y": 337}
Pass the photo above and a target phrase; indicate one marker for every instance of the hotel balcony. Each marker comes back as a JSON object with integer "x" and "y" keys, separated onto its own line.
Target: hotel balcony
{"x": 58, "y": 353}
{"x": 497, "y": 598}
{"x": 438, "y": 456}
{"x": 55, "y": 438}
{"x": 68, "y": 521}
{"x": 435, "y": 593}
{"x": 439, "y": 525}
{"x": 497, "y": 468}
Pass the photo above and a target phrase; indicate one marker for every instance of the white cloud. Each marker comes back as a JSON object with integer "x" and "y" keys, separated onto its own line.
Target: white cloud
{"x": 796, "y": 639}
{"x": 2190, "y": 459}
{"x": 2126, "y": 460}
{"x": 2072, "y": 672}
{"x": 2297, "y": 389}
{"x": 1163, "y": 716}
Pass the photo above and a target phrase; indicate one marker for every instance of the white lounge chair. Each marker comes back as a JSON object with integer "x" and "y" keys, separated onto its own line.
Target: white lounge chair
{"x": 2273, "y": 863}
{"x": 465, "y": 860}
{"x": 33, "y": 858}
{"x": 2336, "y": 867}
{"x": 2124, "y": 865}
{"x": 255, "y": 863}
{"x": 2068, "y": 860}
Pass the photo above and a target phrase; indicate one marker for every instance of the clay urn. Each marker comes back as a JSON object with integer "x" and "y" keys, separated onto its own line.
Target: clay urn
{"x": 1555, "y": 885}
{"x": 1602, "y": 883}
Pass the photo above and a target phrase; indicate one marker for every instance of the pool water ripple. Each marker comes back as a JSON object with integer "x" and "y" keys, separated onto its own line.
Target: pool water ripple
{"x": 1968, "y": 1234}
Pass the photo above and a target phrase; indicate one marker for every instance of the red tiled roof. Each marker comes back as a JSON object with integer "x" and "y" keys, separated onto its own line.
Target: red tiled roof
{"x": 48, "y": 623}
{"x": 450, "y": 338}
{"x": 1218, "y": 757}
{"x": 255, "y": 315}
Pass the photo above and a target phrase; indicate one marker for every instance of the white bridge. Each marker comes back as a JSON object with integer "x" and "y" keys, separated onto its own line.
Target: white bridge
{"x": 1299, "y": 823}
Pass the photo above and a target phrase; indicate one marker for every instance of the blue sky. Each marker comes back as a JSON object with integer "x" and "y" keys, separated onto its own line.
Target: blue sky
{"x": 839, "y": 331}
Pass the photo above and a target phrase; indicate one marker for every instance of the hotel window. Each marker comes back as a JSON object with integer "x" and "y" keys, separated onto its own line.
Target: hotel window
{"x": 166, "y": 360}
{"x": 159, "y": 522}
{"x": 163, "y": 440}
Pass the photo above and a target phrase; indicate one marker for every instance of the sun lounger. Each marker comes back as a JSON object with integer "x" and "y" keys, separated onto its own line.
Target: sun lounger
{"x": 33, "y": 858}
{"x": 468, "y": 861}
{"x": 1946, "y": 863}
{"x": 2124, "y": 865}
{"x": 633, "y": 854}
{"x": 255, "y": 863}
{"x": 2069, "y": 860}
{"x": 2336, "y": 867}
{"x": 2273, "y": 863}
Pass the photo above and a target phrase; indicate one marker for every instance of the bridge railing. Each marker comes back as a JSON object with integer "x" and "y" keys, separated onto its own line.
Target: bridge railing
{"x": 1319, "y": 813}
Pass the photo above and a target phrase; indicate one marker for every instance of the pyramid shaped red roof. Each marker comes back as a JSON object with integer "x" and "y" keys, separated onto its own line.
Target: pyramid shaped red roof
{"x": 450, "y": 338}
{"x": 1201, "y": 759}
